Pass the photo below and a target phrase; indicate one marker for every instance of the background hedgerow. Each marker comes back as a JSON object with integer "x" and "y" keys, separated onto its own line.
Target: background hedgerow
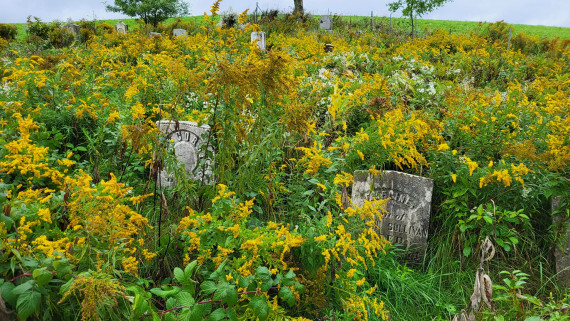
{"x": 87, "y": 232}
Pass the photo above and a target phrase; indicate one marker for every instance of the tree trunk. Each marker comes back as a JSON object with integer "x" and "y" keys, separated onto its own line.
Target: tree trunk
{"x": 413, "y": 27}
{"x": 298, "y": 7}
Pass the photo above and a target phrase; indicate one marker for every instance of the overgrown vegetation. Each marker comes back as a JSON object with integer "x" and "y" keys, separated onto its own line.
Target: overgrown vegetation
{"x": 88, "y": 233}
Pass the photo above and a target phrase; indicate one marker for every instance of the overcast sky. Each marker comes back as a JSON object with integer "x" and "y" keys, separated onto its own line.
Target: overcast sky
{"x": 532, "y": 12}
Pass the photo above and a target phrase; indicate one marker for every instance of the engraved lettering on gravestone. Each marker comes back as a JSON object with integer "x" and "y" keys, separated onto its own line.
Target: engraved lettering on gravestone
{"x": 188, "y": 141}
{"x": 562, "y": 250}
{"x": 179, "y": 32}
{"x": 259, "y": 39}
{"x": 326, "y": 22}
{"x": 406, "y": 221}
{"x": 121, "y": 27}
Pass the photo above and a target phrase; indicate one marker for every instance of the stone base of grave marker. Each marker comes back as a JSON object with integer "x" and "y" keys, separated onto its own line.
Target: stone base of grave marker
{"x": 406, "y": 220}
{"x": 189, "y": 140}
{"x": 562, "y": 252}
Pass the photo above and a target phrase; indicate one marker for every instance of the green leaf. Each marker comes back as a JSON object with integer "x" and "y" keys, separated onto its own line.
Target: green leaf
{"x": 140, "y": 305}
{"x": 467, "y": 251}
{"x": 243, "y": 282}
{"x": 290, "y": 275}
{"x": 189, "y": 269}
{"x": 6, "y": 292}
{"x": 535, "y": 318}
{"x": 208, "y": 287}
{"x": 23, "y": 287}
{"x": 198, "y": 311}
{"x": 28, "y": 304}
{"x": 488, "y": 219}
{"x": 227, "y": 293}
{"x": 266, "y": 285}
{"x": 167, "y": 291}
{"x": 286, "y": 294}
{"x": 263, "y": 273}
{"x": 218, "y": 274}
{"x": 299, "y": 288}
{"x": 259, "y": 306}
{"x": 42, "y": 276}
{"x": 231, "y": 313}
{"x": 185, "y": 299}
{"x": 179, "y": 275}
{"x": 217, "y": 315}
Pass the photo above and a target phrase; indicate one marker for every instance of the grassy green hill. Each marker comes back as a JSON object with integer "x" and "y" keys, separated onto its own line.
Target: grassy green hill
{"x": 422, "y": 25}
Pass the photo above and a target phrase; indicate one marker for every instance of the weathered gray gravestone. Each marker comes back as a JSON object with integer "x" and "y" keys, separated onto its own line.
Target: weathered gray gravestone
{"x": 406, "y": 221}
{"x": 562, "y": 252}
{"x": 179, "y": 32}
{"x": 326, "y": 22}
{"x": 152, "y": 34}
{"x": 189, "y": 147}
{"x": 75, "y": 29}
{"x": 121, "y": 27}
{"x": 259, "y": 39}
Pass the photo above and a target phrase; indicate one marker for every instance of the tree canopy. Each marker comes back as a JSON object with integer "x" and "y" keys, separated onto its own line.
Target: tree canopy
{"x": 411, "y": 8}
{"x": 150, "y": 11}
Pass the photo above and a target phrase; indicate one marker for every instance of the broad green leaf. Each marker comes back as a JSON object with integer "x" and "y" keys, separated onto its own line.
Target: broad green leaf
{"x": 42, "y": 276}
{"x": 167, "y": 292}
{"x": 208, "y": 287}
{"x": 286, "y": 294}
{"x": 488, "y": 219}
{"x": 290, "y": 275}
{"x": 185, "y": 299}
{"x": 179, "y": 275}
{"x": 217, "y": 315}
{"x": 23, "y": 287}
{"x": 189, "y": 269}
{"x": 243, "y": 282}
{"x": 263, "y": 273}
{"x": 266, "y": 285}
{"x": 28, "y": 304}
{"x": 227, "y": 293}
{"x": 140, "y": 306}
{"x": 467, "y": 251}
{"x": 259, "y": 306}
{"x": 6, "y": 292}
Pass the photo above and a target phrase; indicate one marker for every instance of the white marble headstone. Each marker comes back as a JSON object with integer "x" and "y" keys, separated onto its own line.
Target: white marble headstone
{"x": 326, "y": 22}
{"x": 189, "y": 141}
{"x": 259, "y": 39}
{"x": 121, "y": 27}
{"x": 179, "y": 32}
{"x": 406, "y": 220}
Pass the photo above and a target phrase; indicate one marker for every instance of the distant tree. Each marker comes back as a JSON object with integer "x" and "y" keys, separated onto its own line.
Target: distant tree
{"x": 298, "y": 6}
{"x": 412, "y": 8}
{"x": 150, "y": 11}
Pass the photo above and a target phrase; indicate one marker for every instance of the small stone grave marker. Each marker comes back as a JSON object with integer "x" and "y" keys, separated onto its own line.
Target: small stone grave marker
{"x": 188, "y": 139}
{"x": 406, "y": 220}
{"x": 152, "y": 34}
{"x": 562, "y": 252}
{"x": 75, "y": 29}
{"x": 259, "y": 39}
{"x": 121, "y": 27}
{"x": 179, "y": 32}
{"x": 326, "y": 22}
